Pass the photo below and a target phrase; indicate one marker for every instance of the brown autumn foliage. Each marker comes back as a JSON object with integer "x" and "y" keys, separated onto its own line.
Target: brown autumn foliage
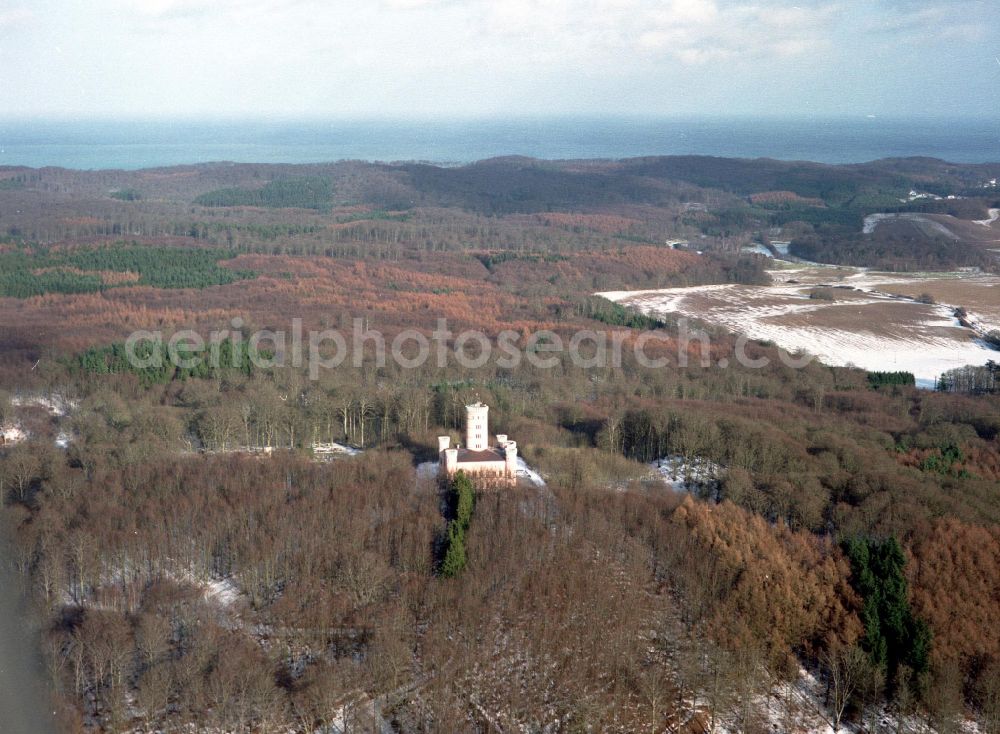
{"x": 606, "y": 223}
{"x": 789, "y": 591}
{"x": 325, "y": 576}
{"x": 954, "y": 574}
{"x": 325, "y": 292}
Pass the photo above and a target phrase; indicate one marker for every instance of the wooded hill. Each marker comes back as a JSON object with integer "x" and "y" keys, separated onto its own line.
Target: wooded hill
{"x": 721, "y": 203}
{"x": 186, "y": 578}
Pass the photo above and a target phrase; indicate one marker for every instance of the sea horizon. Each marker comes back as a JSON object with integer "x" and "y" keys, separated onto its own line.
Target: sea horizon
{"x": 90, "y": 144}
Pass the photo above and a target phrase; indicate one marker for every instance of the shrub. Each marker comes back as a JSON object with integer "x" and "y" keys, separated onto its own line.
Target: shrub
{"x": 822, "y": 294}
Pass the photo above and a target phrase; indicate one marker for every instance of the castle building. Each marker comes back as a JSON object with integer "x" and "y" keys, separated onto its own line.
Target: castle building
{"x": 478, "y": 458}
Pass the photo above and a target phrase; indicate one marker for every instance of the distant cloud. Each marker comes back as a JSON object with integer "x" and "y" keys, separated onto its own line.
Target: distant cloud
{"x": 958, "y": 19}
{"x": 206, "y": 8}
{"x": 171, "y": 7}
{"x": 413, "y": 4}
{"x": 442, "y": 57}
{"x": 691, "y": 31}
{"x": 13, "y": 17}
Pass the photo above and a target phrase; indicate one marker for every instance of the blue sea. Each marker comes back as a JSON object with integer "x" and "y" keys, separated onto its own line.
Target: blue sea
{"x": 142, "y": 144}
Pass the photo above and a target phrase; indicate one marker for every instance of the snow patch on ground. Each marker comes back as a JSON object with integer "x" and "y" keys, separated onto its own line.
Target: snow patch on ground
{"x": 57, "y": 405}
{"x": 787, "y": 707}
{"x": 221, "y": 591}
{"x": 252, "y": 450}
{"x": 687, "y": 475}
{"x": 321, "y": 451}
{"x": 428, "y": 469}
{"x": 758, "y": 249}
{"x": 12, "y": 433}
{"x": 994, "y": 216}
{"x": 666, "y": 301}
{"x": 800, "y": 706}
{"x": 872, "y": 221}
{"x": 982, "y": 324}
{"x": 523, "y": 470}
{"x": 331, "y": 450}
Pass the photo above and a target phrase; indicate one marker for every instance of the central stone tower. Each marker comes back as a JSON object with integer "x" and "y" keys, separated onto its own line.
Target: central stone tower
{"x": 477, "y": 434}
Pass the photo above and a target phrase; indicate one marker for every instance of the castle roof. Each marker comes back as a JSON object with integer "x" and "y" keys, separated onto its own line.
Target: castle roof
{"x": 467, "y": 455}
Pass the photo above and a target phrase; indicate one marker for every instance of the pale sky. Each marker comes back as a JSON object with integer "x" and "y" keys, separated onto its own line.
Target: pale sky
{"x": 441, "y": 58}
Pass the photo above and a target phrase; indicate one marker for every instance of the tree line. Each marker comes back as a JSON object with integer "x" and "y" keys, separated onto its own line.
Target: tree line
{"x": 461, "y": 496}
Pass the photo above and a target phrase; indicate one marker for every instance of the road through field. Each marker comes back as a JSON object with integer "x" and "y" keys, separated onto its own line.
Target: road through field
{"x": 24, "y": 700}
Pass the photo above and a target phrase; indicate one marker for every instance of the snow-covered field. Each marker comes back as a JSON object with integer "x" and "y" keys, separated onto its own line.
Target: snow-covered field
{"x": 864, "y": 326}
